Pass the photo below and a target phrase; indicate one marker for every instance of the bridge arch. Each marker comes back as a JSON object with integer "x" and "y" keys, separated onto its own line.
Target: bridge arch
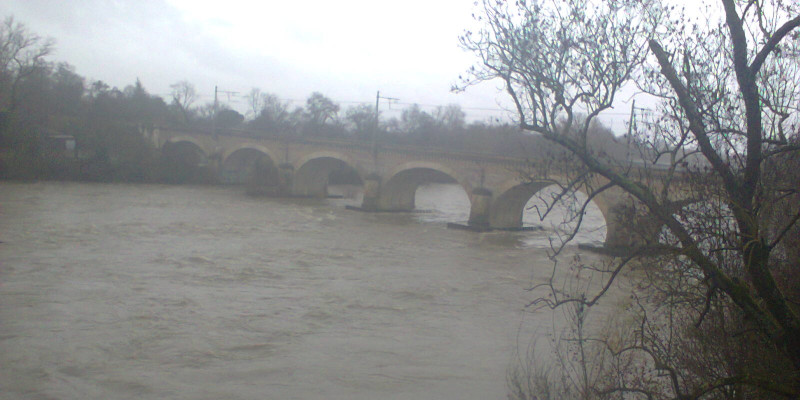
{"x": 249, "y": 163}
{"x": 510, "y": 201}
{"x": 513, "y": 196}
{"x": 184, "y": 140}
{"x": 398, "y": 191}
{"x": 697, "y": 215}
{"x": 184, "y": 160}
{"x": 185, "y": 150}
{"x": 314, "y": 172}
{"x": 263, "y": 149}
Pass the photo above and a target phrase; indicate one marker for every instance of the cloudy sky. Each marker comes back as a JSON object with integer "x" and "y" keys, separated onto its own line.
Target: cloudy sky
{"x": 346, "y": 49}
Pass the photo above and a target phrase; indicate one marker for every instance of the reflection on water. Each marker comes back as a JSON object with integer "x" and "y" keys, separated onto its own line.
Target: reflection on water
{"x": 147, "y": 291}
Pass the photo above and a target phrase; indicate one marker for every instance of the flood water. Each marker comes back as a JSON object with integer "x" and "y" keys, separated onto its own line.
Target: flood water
{"x": 179, "y": 292}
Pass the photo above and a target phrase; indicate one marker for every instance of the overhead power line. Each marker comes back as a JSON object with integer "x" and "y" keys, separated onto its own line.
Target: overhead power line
{"x": 471, "y": 112}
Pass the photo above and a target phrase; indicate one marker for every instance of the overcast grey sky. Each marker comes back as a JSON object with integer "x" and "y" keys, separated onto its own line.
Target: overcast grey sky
{"x": 346, "y": 49}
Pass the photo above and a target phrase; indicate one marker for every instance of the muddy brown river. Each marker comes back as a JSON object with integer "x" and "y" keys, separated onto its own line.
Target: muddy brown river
{"x": 112, "y": 291}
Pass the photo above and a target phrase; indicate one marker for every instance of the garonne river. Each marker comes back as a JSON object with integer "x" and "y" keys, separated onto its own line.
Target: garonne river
{"x": 120, "y": 291}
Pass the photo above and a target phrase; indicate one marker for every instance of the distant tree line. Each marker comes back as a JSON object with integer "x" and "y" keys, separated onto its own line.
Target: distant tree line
{"x": 44, "y": 104}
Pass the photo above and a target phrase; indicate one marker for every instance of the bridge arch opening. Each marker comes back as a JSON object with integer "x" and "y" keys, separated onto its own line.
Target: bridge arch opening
{"x": 315, "y": 175}
{"x": 526, "y": 204}
{"x": 184, "y": 162}
{"x": 253, "y": 167}
{"x": 436, "y": 190}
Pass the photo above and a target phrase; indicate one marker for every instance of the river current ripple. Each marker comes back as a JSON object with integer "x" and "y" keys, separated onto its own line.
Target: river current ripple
{"x": 180, "y": 292}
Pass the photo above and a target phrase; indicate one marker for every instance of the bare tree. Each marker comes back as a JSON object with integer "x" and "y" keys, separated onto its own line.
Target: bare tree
{"x": 321, "y": 109}
{"x": 450, "y": 117}
{"x": 270, "y": 112}
{"x": 417, "y": 123}
{"x": 21, "y": 54}
{"x": 726, "y": 86}
{"x": 256, "y": 101}
{"x": 361, "y": 119}
{"x": 183, "y": 95}
{"x": 206, "y": 111}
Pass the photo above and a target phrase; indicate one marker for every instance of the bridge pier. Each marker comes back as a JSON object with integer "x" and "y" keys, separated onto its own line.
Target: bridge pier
{"x": 214, "y": 167}
{"x": 285, "y": 179}
{"x": 628, "y": 227}
{"x": 372, "y": 192}
{"x": 263, "y": 179}
{"x": 481, "y": 202}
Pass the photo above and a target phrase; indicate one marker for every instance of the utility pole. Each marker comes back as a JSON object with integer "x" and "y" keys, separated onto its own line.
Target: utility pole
{"x": 377, "y": 116}
{"x": 630, "y": 130}
{"x": 214, "y": 116}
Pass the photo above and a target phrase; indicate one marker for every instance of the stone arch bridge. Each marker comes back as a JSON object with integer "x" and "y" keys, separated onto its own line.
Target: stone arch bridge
{"x": 497, "y": 188}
